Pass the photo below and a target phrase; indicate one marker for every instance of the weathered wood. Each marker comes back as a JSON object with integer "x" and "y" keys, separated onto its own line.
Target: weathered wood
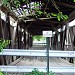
{"x": 64, "y": 37}
{"x": 72, "y": 40}
{"x": 19, "y": 36}
{"x": 8, "y": 27}
{"x": 31, "y": 41}
{"x": 65, "y": 4}
{"x": 1, "y": 28}
{"x": 5, "y": 10}
{"x": 24, "y": 39}
{"x": 1, "y": 36}
{"x": 27, "y": 39}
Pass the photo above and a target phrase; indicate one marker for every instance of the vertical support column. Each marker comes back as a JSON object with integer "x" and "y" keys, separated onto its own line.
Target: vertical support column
{"x": 31, "y": 41}
{"x": 61, "y": 38}
{"x": 28, "y": 40}
{"x": 53, "y": 41}
{"x": 64, "y": 37}
{"x": 24, "y": 39}
{"x": 56, "y": 40}
{"x": 8, "y": 59}
{"x": 18, "y": 36}
{"x": 8, "y": 26}
{"x": 1, "y": 36}
{"x": 72, "y": 37}
{"x": 1, "y": 31}
{"x": 14, "y": 35}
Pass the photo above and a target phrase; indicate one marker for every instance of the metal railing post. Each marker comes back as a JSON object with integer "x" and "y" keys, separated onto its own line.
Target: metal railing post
{"x": 48, "y": 44}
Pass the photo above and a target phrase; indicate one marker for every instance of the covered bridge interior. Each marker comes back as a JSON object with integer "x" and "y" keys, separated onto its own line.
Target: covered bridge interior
{"x": 21, "y": 23}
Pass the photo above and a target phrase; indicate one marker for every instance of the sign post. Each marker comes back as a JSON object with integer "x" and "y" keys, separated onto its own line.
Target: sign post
{"x": 48, "y": 35}
{"x": 48, "y": 44}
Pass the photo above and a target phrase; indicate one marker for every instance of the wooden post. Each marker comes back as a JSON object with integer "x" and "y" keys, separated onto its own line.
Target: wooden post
{"x": 64, "y": 37}
{"x": 1, "y": 36}
{"x": 18, "y": 36}
{"x": 9, "y": 31}
{"x": 31, "y": 41}
{"x": 24, "y": 38}
{"x": 61, "y": 38}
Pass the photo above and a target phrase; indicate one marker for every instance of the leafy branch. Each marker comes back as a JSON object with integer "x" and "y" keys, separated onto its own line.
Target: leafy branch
{"x": 3, "y": 44}
{"x": 60, "y": 16}
{"x": 73, "y": 0}
{"x": 35, "y": 11}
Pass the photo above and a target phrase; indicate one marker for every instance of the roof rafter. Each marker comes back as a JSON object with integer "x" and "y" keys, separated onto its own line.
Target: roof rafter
{"x": 65, "y": 4}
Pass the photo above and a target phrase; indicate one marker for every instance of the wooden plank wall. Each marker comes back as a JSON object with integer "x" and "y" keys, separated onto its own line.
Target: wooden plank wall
{"x": 14, "y": 34}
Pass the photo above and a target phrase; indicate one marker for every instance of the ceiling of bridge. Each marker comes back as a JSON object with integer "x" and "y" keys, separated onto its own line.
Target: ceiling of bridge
{"x": 37, "y": 25}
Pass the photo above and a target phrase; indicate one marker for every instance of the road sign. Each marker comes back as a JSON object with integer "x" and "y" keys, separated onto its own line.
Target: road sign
{"x": 47, "y": 33}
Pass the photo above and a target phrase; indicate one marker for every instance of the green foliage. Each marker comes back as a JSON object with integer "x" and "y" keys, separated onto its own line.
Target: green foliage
{"x": 37, "y": 72}
{"x": 17, "y": 3}
{"x": 37, "y": 37}
{"x": 1, "y": 73}
{"x": 3, "y": 44}
{"x": 26, "y": 1}
{"x": 5, "y": 2}
{"x": 60, "y": 16}
{"x": 73, "y": 0}
{"x": 37, "y": 11}
{"x": 51, "y": 73}
{"x": 36, "y": 4}
{"x": 34, "y": 72}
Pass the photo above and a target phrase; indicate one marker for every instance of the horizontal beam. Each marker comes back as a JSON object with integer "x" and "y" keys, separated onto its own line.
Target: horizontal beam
{"x": 52, "y": 53}
{"x": 29, "y": 20}
{"x": 57, "y": 69}
{"x": 65, "y": 4}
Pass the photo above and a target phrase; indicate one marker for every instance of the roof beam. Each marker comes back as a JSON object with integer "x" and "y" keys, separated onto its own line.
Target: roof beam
{"x": 47, "y": 22}
{"x": 65, "y": 4}
{"x": 42, "y": 20}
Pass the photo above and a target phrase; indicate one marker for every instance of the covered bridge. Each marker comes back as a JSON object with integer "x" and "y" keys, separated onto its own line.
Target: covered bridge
{"x": 20, "y": 20}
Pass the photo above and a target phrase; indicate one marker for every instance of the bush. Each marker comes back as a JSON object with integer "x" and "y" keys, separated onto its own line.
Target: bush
{"x": 37, "y": 72}
{"x": 34, "y": 72}
{"x": 3, "y": 44}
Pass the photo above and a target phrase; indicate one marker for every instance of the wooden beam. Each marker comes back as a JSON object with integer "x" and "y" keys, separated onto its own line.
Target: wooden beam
{"x": 19, "y": 36}
{"x": 41, "y": 19}
{"x": 65, "y": 4}
{"x": 1, "y": 27}
{"x": 5, "y": 10}
{"x": 9, "y": 30}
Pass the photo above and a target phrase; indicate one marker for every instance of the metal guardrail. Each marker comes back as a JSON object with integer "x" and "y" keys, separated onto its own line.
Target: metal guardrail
{"x": 19, "y": 52}
{"x": 52, "y": 53}
{"x": 43, "y": 68}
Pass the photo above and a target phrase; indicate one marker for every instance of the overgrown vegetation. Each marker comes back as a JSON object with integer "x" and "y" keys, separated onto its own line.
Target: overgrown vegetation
{"x": 3, "y": 44}
{"x": 1, "y": 73}
{"x": 38, "y": 37}
{"x": 37, "y": 72}
{"x": 36, "y": 12}
{"x": 34, "y": 72}
{"x": 73, "y": 0}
